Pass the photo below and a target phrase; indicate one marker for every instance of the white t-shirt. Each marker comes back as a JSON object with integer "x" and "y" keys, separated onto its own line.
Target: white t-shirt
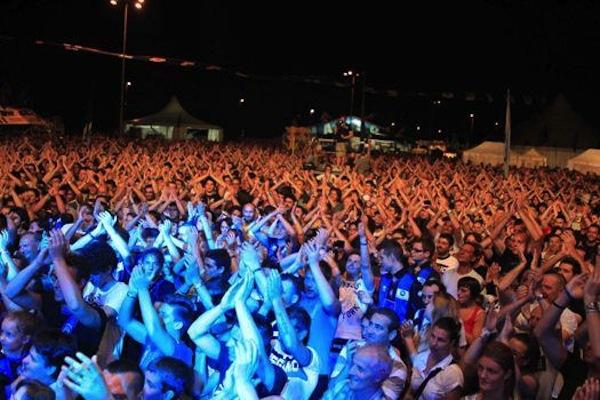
{"x": 302, "y": 381}
{"x": 446, "y": 264}
{"x": 352, "y": 309}
{"x": 448, "y": 379}
{"x": 112, "y": 297}
{"x": 450, "y": 280}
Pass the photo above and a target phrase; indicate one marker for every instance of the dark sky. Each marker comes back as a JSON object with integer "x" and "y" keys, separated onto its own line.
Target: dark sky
{"x": 537, "y": 48}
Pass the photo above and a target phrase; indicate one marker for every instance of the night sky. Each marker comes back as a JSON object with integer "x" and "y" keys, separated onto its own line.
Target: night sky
{"x": 535, "y": 48}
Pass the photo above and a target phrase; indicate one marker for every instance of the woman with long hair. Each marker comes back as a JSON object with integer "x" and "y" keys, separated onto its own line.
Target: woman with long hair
{"x": 495, "y": 373}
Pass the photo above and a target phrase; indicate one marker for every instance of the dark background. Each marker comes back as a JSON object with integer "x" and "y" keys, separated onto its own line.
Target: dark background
{"x": 536, "y": 48}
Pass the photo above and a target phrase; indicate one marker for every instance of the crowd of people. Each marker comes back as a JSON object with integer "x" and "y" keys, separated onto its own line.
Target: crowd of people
{"x": 184, "y": 270}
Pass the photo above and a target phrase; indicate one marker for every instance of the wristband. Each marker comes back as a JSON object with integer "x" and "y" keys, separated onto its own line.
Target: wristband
{"x": 132, "y": 295}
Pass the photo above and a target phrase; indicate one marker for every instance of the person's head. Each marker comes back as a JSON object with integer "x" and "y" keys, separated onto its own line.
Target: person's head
{"x": 177, "y": 314}
{"x": 518, "y": 242}
{"x": 469, "y": 290}
{"x": 149, "y": 192}
{"x": 151, "y": 261}
{"x": 444, "y": 243}
{"x": 149, "y": 235}
{"x": 78, "y": 268}
{"x": 248, "y": 212}
{"x": 443, "y": 305}
{"x": 172, "y": 212}
{"x": 552, "y": 284}
{"x": 592, "y": 233}
{"x": 102, "y": 259}
{"x": 390, "y": 255}
{"x": 526, "y": 351}
{"x": 291, "y": 289}
{"x": 19, "y": 217}
{"x": 421, "y": 250}
{"x": 46, "y": 355}
{"x": 16, "y": 332}
{"x": 125, "y": 380}
{"x": 496, "y": 369}
{"x": 371, "y": 365}
{"x": 468, "y": 254}
{"x": 381, "y": 326}
{"x": 353, "y": 264}
{"x": 310, "y": 286}
{"x": 167, "y": 378}
{"x": 568, "y": 268}
{"x": 443, "y": 336}
{"x": 30, "y": 389}
{"x": 430, "y": 289}
{"x": 300, "y": 321}
{"x": 29, "y": 245}
{"x": 554, "y": 243}
{"x": 218, "y": 263}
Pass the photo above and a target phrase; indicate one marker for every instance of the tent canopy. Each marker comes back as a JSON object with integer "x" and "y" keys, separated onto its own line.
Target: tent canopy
{"x": 174, "y": 121}
{"x": 588, "y": 161}
{"x": 493, "y": 153}
{"x": 557, "y": 126}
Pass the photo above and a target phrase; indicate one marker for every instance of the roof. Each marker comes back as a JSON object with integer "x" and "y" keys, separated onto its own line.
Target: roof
{"x": 173, "y": 114}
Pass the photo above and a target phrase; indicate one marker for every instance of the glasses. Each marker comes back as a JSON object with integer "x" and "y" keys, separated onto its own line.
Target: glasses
{"x": 416, "y": 250}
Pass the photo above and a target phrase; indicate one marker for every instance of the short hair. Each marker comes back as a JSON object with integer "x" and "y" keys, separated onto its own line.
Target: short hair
{"x": 436, "y": 282}
{"x": 532, "y": 354}
{"x": 574, "y": 263}
{"x": 221, "y": 257}
{"x": 451, "y": 326}
{"x": 123, "y": 366}
{"x": 100, "y": 256}
{"x": 22, "y": 213}
{"x": 448, "y": 237}
{"x": 561, "y": 279}
{"x": 35, "y": 390}
{"x": 53, "y": 346}
{"x": 427, "y": 244}
{"x": 392, "y": 248}
{"x": 27, "y": 323}
{"x": 301, "y": 317}
{"x": 383, "y": 366}
{"x": 175, "y": 375}
{"x": 149, "y": 233}
{"x": 152, "y": 251}
{"x": 296, "y": 282}
{"x": 394, "y": 324}
{"x": 184, "y": 309}
{"x": 471, "y": 284}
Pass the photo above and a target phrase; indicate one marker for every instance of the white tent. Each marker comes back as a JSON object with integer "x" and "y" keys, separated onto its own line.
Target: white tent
{"x": 531, "y": 159}
{"x": 174, "y": 122}
{"x": 588, "y": 161}
{"x": 487, "y": 153}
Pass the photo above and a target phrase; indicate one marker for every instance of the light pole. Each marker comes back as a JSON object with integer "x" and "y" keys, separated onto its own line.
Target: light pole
{"x": 472, "y": 117}
{"x": 137, "y": 4}
{"x": 353, "y": 75}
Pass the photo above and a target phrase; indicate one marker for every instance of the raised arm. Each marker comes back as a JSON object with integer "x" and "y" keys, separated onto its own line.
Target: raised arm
{"x": 86, "y": 314}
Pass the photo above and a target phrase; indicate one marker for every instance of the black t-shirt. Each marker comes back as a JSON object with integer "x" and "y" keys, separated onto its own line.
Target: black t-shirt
{"x": 57, "y": 315}
{"x": 574, "y": 372}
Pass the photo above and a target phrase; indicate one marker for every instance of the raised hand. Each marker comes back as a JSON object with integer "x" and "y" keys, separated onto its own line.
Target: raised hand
{"x": 575, "y": 287}
{"x": 106, "y": 219}
{"x": 57, "y": 246}
{"x": 165, "y": 227}
{"x": 4, "y": 240}
{"x": 273, "y": 284}
{"x": 83, "y": 377}
{"x": 591, "y": 290}
{"x": 312, "y": 251}
{"x": 249, "y": 255}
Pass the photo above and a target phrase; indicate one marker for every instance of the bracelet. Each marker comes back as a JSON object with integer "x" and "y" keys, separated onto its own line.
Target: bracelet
{"x": 132, "y": 295}
{"x": 555, "y": 304}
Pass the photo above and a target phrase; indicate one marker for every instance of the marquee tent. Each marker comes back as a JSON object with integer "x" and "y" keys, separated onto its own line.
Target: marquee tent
{"x": 492, "y": 153}
{"x": 174, "y": 122}
{"x": 588, "y": 161}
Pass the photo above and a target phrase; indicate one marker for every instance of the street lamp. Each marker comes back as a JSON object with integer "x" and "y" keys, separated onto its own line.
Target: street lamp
{"x": 138, "y": 4}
